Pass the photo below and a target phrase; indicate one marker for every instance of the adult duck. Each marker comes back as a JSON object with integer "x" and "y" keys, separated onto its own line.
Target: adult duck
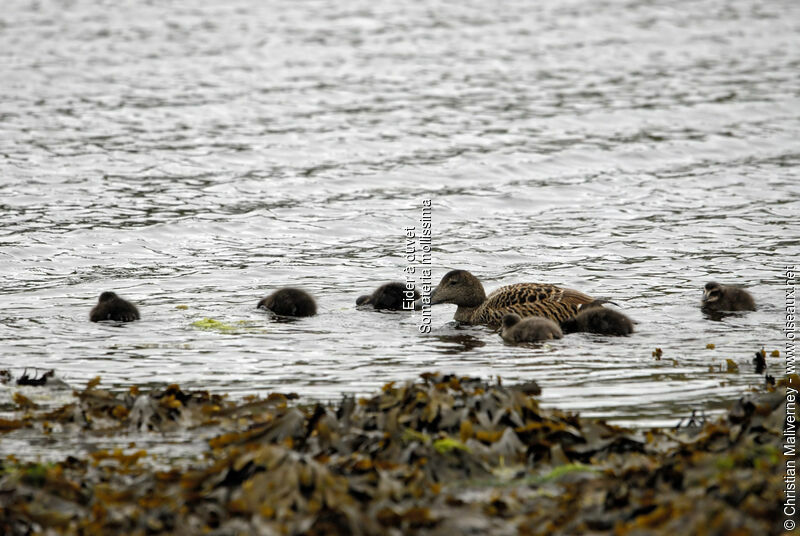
{"x": 463, "y": 289}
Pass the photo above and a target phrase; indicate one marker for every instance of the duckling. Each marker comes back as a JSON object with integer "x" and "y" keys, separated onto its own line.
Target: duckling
{"x": 525, "y": 299}
{"x": 529, "y": 329}
{"x": 718, "y": 298}
{"x": 390, "y": 296}
{"x": 112, "y": 307}
{"x": 594, "y": 318}
{"x": 289, "y": 302}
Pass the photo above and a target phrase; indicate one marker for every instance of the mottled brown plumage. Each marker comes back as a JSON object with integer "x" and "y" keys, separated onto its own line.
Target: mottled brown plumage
{"x": 463, "y": 289}
{"x": 530, "y": 329}
{"x": 717, "y": 297}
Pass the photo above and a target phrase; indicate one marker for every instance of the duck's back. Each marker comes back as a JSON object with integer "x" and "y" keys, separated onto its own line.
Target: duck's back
{"x": 530, "y": 299}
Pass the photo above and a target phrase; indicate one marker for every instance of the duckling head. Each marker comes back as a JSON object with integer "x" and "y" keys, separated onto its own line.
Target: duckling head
{"x": 712, "y": 293}
{"x": 107, "y": 296}
{"x": 510, "y": 320}
{"x": 460, "y": 288}
{"x": 364, "y": 299}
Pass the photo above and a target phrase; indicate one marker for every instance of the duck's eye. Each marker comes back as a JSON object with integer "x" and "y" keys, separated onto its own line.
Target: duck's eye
{"x": 714, "y": 293}
{"x": 453, "y": 282}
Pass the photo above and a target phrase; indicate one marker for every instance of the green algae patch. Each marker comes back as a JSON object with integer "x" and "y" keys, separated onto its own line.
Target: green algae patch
{"x": 508, "y": 477}
{"x": 448, "y": 444}
{"x": 410, "y": 435}
{"x": 35, "y": 474}
{"x": 568, "y": 469}
{"x": 210, "y": 324}
{"x": 213, "y": 325}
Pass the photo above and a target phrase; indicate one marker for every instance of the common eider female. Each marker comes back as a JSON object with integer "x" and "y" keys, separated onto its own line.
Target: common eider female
{"x": 463, "y": 289}
{"x": 594, "y": 318}
{"x": 530, "y": 329}
{"x": 718, "y": 298}
{"x": 289, "y": 302}
{"x": 390, "y": 296}
{"x": 112, "y": 307}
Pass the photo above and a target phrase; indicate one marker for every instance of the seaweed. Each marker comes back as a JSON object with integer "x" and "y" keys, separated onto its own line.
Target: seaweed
{"x": 34, "y": 380}
{"x": 441, "y": 455}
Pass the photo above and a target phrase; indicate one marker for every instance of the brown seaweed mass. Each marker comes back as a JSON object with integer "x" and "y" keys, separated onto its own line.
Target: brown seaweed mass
{"x": 444, "y": 455}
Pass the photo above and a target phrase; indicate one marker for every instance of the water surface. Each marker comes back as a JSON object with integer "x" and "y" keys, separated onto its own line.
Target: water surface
{"x": 205, "y": 153}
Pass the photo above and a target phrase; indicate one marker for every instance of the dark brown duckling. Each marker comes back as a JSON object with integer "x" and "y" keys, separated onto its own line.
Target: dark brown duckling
{"x": 392, "y": 296}
{"x": 290, "y": 302}
{"x": 594, "y": 318}
{"x": 530, "y": 329}
{"x": 717, "y": 298}
{"x": 524, "y": 299}
{"x": 112, "y": 307}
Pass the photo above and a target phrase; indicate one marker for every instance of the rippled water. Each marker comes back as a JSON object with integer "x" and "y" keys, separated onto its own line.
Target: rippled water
{"x": 204, "y": 153}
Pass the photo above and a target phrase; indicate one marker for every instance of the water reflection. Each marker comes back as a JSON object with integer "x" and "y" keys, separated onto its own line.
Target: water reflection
{"x": 457, "y": 344}
{"x": 719, "y": 316}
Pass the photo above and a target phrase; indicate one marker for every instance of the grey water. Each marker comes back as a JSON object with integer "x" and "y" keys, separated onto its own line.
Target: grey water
{"x": 195, "y": 156}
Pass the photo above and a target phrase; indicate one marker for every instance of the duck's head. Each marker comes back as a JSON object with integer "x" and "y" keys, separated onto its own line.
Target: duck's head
{"x": 712, "y": 293}
{"x": 510, "y": 320}
{"x": 460, "y": 288}
{"x": 364, "y": 300}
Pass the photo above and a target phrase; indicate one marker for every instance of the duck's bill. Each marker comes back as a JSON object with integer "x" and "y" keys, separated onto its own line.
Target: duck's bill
{"x": 433, "y": 301}
{"x": 435, "y": 298}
